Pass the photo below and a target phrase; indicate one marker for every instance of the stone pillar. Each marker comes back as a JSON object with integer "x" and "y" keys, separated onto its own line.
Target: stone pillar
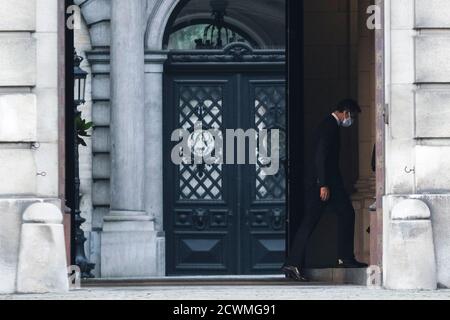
{"x": 154, "y": 68}
{"x": 127, "y": 114}
{"x": 410, "y": 262}
{"x": 42, "y": 265}
{"x": 127, "y": 237}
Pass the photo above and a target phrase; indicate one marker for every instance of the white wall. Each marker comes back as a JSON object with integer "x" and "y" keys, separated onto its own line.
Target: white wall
{"x": 418, "y": 134}
{"x": 29, "y": 118}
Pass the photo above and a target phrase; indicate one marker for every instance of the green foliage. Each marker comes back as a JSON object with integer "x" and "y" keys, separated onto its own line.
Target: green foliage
{"x": 82, "y": 128}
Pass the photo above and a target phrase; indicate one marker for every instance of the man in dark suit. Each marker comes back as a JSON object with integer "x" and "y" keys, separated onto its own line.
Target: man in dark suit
{"x": 325, "y": 187}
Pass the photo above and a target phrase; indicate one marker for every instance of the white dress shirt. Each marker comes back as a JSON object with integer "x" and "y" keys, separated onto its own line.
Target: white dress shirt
{"x": 337, "y": 119}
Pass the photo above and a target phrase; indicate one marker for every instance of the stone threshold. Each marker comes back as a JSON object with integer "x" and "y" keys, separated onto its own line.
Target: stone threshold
{"x": 317, "y": 276}
{"x": 339, "y": 276}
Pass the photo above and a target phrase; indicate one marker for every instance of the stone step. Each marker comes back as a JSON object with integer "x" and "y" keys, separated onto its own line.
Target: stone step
{"x": 338, "y": 276}
{"x": 317, "y": 276}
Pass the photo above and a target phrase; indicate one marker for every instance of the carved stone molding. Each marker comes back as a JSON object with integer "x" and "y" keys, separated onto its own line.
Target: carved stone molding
{"x": 233, "y": 53}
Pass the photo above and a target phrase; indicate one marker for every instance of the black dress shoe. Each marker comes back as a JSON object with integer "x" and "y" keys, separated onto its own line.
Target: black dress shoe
{"x": 293, "y": 273}
{"x": 351, "y": 263}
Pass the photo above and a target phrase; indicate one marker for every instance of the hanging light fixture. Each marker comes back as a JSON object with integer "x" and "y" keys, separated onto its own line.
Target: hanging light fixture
{"x": 79, "y": 76}
{"x": 216, "y": 35}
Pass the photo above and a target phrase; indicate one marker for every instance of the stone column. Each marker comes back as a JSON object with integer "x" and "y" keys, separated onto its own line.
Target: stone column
{"x": 154, "y": 67}
{"x": 127, "y": 114}
{"x": 127, "y": 237}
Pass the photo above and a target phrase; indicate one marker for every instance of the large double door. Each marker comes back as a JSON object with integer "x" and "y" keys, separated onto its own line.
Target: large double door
{"x": 224, "y": 218}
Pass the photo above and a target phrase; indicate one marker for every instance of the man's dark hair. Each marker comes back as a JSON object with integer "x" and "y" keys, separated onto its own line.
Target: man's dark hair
{"x": 348, "y": 105}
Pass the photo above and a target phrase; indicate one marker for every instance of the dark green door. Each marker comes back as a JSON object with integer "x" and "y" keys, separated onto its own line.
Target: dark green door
{"x": 223, "y": 219}
{"x": 262, "y": 197}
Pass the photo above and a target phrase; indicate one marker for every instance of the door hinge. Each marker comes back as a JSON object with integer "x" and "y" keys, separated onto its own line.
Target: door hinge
{"x": 386, "y": 113}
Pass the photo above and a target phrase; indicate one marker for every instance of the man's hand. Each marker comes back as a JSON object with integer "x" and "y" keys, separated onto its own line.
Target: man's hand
{"x": 324, "y": 194}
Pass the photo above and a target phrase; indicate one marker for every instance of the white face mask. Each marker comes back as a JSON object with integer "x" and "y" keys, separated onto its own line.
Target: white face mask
{"x": 347, "y": 122}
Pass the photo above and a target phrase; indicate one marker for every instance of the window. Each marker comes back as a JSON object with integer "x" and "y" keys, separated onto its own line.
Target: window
{"x": 187, "y": 38}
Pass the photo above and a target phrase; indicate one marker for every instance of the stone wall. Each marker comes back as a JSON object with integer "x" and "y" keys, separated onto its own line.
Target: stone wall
{"x": 29, "y": 119}
{"x": 418, "y": 135}
{"x": 95, "y": 160}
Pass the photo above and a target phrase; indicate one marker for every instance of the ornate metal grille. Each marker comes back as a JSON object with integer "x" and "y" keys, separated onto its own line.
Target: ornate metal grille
{"x": 270, "y": 113}
{"x": 206, "y": 185}
{"x": 200, "y": 104}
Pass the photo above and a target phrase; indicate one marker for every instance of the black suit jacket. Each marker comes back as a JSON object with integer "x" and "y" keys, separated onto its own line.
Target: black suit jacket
{"x": 324, "y": 161}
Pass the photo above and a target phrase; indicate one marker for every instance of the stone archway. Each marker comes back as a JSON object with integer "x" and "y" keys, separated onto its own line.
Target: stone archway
{"x": 97, "y": 14}
{"x": 130, "y": 241}
{"x": 185, "y": 254}
{"x": 158, "y": 12}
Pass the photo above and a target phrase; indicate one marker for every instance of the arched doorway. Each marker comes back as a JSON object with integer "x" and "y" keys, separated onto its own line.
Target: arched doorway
{"x": 225, "y": 70}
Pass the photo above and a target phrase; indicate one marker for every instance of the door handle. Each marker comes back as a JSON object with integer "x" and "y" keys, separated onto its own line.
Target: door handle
{"x": 230, "y": 220}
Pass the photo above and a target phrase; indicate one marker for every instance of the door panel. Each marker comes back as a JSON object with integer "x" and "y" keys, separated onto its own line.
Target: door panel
{"x": 223, "y": 219}
{"x": 198, "y": 205}
{"x": 263, "y": 207}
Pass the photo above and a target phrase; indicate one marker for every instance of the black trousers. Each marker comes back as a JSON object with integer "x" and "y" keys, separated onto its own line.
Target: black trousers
{"x": 314, "y": 208}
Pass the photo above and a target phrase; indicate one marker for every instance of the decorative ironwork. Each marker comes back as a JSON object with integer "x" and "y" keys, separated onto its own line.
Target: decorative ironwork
{"x": 270, "y": 105}
{"x": 239, "y": 50}
{"x": 200, "y": 218}
{"x": 266, "y": 218}
{"x": 277, "y": 222}
{"x": 236, "y": 52}
{"x": 204, "y": 186}
{"x": 270, "y": 113}
{"x": 202, "y": 105}
{"x": 216, "y": 34}
{"x": 80, "y": 256}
